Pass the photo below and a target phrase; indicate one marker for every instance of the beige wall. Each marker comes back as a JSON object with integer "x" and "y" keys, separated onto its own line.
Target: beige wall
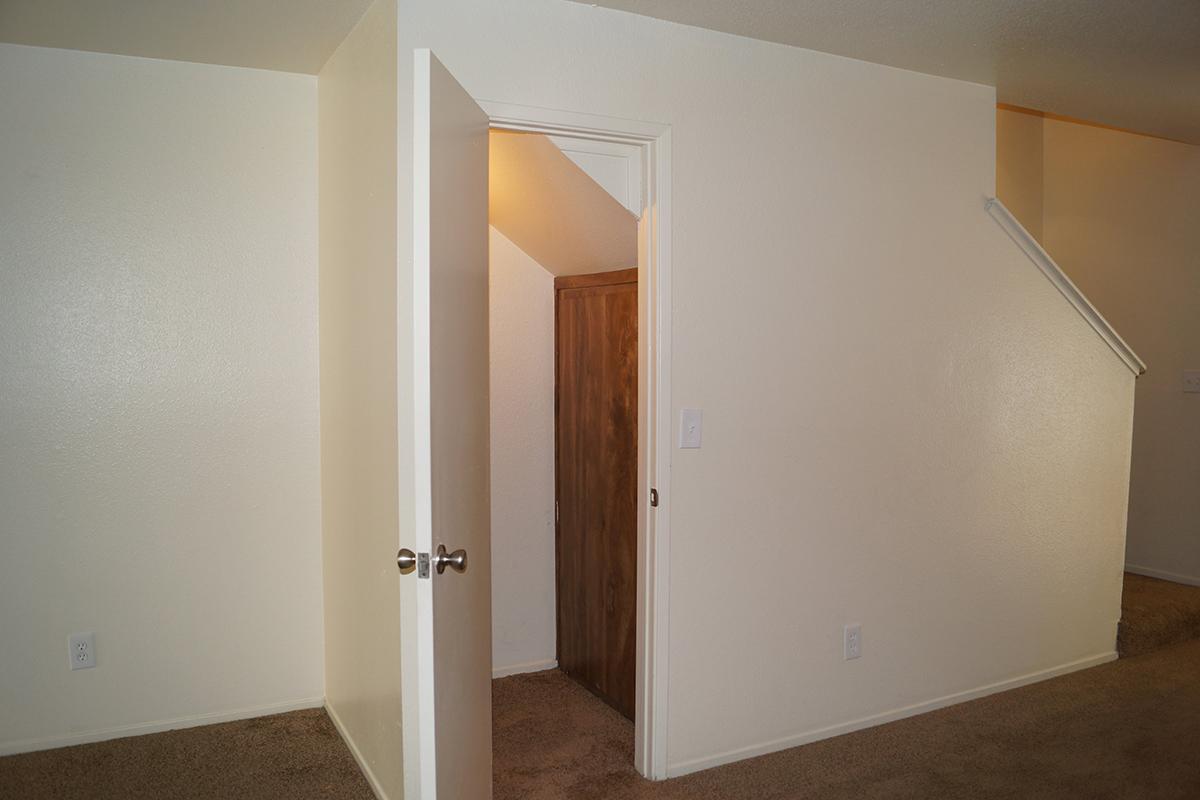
{"x": 159, "y": 463}
{"x": 1019, "y": 167}
{"x": 1119, "y": 217}
{"x": 521, "y": 321}
{"x": 359, "y": 435}
{"x": 553, "y": 210}
{"x": 901, "y": 412}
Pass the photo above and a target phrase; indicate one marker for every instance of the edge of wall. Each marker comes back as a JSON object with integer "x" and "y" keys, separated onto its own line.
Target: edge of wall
{"x": 774, "y": 746}
{"x": 157, "y": 726}
{"x": 363, "y": 766}
{"x": 521, "y": 669}
{"x": 1023, "y": 239}
{"x": 1163, "y": 575}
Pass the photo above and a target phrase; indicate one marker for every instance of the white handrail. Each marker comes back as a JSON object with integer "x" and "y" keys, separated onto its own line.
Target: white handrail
{"x": 1016, "y": 231}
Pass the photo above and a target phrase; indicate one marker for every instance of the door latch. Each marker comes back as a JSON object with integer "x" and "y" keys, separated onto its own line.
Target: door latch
{"x": 654, "y": 498}
{"x": 407, "y": 561}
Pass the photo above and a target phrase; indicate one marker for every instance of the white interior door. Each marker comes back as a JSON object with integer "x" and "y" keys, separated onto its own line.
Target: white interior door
{"x": 451, "y": 682}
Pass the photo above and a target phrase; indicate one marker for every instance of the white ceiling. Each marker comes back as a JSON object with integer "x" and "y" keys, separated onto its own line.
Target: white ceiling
{"x": 1129, "y": 63}
{"x": 288, "y": 35}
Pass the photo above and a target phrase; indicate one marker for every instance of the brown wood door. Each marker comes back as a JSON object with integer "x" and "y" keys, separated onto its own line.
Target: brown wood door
{"x": 596, "y": 475}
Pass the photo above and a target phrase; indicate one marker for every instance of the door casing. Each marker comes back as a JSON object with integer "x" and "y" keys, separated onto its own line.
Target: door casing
{"x": 654, "y": 399}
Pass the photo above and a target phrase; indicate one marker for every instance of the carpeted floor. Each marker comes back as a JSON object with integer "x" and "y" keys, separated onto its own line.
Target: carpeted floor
{"x": 1156, "y": 614}
{"x": 1123, "y": 730}
{"x": 1127, "y": 729}
{"x": 294, "y": 756}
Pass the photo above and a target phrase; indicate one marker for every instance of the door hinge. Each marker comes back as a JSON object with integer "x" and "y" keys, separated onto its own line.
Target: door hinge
{"x": 654, "y": 498}
{"x": 422, "y": 565}
{"x": 555, "y": 512}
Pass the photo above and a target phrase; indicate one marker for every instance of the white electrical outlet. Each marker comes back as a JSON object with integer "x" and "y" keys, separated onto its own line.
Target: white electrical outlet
{"x": 1191, "y": 380}
{"x": 82, "y": 650}
{"x": 852, "y": 642}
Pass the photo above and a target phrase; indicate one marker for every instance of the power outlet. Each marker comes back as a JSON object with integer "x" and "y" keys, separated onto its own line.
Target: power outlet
{"x": 81, "y": 647}
{"x": 1191, "y": 381}
{"x": 852, "y": 641}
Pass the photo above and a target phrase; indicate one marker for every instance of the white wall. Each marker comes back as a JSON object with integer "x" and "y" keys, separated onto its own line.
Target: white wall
{"x": 360, "y": 453}
{"x": 902, "y": 414}
{"x": 521, "y": 309}
{"x": 159, "y": 463}
{"x": 1121, "y": 216}
{"x": 1117, "y": 212}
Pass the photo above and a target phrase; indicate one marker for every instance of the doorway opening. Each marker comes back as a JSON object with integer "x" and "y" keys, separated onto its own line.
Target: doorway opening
{"x": 564, "y": 377}
{"x": 578, "y": 356}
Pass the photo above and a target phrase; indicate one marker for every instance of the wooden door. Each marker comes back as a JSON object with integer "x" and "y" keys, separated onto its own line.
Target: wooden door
{"x": 596, "y": 349}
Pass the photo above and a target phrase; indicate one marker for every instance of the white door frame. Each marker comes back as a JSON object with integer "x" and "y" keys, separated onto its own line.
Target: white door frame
{"x": 654, "y": 400}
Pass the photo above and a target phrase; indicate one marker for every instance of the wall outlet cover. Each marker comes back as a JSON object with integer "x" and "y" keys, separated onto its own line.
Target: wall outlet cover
{"x": 852, "y": 641}
{"x": 81, "y": 647}
{"x": 1191, "y": 381}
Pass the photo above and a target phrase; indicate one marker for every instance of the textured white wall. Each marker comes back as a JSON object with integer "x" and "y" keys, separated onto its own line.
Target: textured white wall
{"x": 1121, "y": 218}
{"x": 360, "y": 454}
{"x": 521, "y": 307}
{"x": 159, "y": 470}
{"x": 904, "y": 419}
{"x": 1116, "y": 213}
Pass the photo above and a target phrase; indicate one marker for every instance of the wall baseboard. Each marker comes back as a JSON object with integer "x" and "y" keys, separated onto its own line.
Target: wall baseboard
{"x": 707, "y": 762}
{"x": 521, "y": 669}
{"x": 363, "y": 766}
{"x": 1174, "y": 577}
{"x": 143, "y": 728}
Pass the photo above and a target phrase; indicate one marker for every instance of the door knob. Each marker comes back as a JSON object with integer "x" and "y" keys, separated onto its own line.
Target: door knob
{"x": 456, "y": 561}
{"x": 406, "y": 560}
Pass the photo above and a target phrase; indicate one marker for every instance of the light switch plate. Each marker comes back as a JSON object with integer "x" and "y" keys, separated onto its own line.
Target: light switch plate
{"x": 1191, "y": 380}
{"x": 691, "y": 428}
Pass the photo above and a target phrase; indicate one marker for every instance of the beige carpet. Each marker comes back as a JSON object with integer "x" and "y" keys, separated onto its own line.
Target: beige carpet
{"x": 1128, "y": 729}
{"x": 292, "y": 756}
{"x": 1156, "y": 614}
{"x": 1124, "y": 730}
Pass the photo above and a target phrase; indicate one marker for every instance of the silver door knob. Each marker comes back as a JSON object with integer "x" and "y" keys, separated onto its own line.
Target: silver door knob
{"x": 406, "y": 560}
{"x": 456, "y": 561}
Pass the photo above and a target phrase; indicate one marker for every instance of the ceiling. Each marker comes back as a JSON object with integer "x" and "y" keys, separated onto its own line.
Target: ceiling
{"x": 287, "y": 35}
{"x": 550, "y": 208}
{"x": 1133, "y": 65}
